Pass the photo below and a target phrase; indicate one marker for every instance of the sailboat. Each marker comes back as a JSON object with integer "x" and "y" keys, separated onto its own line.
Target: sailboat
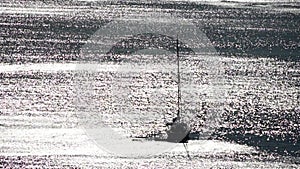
{"x": 179, "y": 131}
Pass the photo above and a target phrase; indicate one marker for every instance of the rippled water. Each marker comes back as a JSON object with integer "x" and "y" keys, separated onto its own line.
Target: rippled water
{"x": 258, "y": 46}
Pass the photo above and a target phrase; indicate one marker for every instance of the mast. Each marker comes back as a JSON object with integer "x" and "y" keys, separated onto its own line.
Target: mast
{"x": 178, "y": 81}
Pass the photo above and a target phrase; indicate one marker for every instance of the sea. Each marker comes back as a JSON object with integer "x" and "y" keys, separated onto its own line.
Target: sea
{"x": 65, "y": 102}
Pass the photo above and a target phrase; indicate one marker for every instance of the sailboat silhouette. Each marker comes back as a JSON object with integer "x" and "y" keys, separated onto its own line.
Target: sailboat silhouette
{"x": 179, "y": 131}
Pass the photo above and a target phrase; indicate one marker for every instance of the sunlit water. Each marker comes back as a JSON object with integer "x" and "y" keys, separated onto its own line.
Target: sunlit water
{"x": 258, "y": 46}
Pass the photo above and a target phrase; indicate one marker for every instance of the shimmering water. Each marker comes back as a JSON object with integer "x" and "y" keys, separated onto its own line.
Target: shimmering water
{"x": 258, "y": 46}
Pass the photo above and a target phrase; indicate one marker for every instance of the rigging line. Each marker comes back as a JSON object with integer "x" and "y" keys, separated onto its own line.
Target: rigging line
{"x": 187, "y": 151}
{"x": 178, "y": 79}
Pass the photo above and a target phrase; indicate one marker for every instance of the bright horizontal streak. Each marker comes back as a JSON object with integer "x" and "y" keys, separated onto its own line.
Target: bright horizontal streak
{"x": 214, "y": 146}
{"x": 38, "y": 67}
{"x": 56, "y": 67}
{"x": 200, "y": 0}
{"x": 37, "y": 10}
{"x": 65, "y": 141}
